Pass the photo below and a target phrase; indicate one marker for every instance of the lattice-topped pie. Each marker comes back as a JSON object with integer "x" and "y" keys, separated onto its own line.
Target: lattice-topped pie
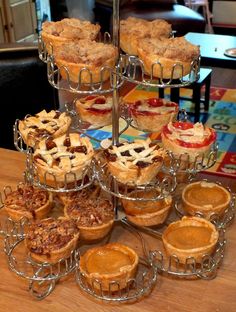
{"x": 63, "y": 160}
{"x": 94, "y": 217}
{"x": 133, "y": 29}
{"x": 109, "y": 267}
{"x": 28, "y": 202}
{"x": 190, "y": 237}
{"x": 194, "y": 140}
{"x": 153, "y": 113}
{"x": 68, "y": 29}
{"x": 50, "y": 240}
{"x": 206, "y": 198}
{"x": 42, "y": 125}
{"x": 135, "y": 163}
{"x": 174, "y": 54}
{"x": 86, "y": 61}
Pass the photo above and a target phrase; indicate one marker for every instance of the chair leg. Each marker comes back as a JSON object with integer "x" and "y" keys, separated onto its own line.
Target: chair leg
{"x": 196, "y": 101}
{"x": 174, "y": 95}
{"x": 207, "y": 93}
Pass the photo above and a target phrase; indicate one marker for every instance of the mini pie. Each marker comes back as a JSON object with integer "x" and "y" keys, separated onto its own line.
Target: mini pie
{"x": 193, "y": 140}
{"x": 28, "y": 202}
{"x": 147, "y": 212}
{"x": 109, "y": 267}
{"x": 43, "y": 125}
{"x": 68, "y": 29}
{"x": 51, "y": 240}
{"x": 206, "y": 198}
{"x": 132, "y": 29}
{"x": 174, "y": 54}
{"x": 95, "y": 110}
{"x": 190, "y": 237}
{"x": 93, "y": 217}
{"x": 63, "y": 160}
{"x": 153, "y": 113}
{"x": 135, "y": 163}
{"x": 86, "y": 61}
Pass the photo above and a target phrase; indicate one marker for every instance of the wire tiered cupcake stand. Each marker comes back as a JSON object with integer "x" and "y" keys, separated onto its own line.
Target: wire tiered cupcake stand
{"x": 43, "y": 277}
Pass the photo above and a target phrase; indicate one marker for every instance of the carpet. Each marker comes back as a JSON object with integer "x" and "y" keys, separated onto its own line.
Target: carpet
{"x": 221, "y": 116}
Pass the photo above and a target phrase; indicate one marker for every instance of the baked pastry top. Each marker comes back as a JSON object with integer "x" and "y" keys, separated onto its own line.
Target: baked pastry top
{"x": 42, "y": 125}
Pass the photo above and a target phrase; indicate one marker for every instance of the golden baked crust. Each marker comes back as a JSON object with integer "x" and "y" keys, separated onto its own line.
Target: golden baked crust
{"x": 86, "y": 61}
{"x": 68, "y": 29}
{"x": 132, "y": 29}
{"x": 109, "y": 263}
{"x": 51, "y": 240}
{"x": 28, "y": 202}
{"x": 93, "y": 217}
{"x": 153, "y": 113}
{"x": 44, "y": 124}
{"x": 135, "y": 163}
{"x": 194, "y": 140}
{"x": 174, "y": 54}
{"x": 63, "y": 160}
{"x": 206, "y": 198}
{"x": 147, "y": 212}
{"x": 190, "y": 237}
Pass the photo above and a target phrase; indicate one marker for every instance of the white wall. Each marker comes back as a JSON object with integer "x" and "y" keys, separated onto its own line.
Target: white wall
{"x": 224, "y": 12}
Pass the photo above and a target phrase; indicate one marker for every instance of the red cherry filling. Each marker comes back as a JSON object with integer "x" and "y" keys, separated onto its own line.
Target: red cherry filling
{"x": 183, "y": 125}
{"x": 154, "y": 102}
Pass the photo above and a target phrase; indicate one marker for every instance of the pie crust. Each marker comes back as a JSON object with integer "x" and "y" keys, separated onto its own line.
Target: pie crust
{"x": 206, "y": 198}
{"x": 86, "y": 61}
{"x": 147, "y": 212}
{"x": 42, "y": 125}
{"x": 63, "y": 160}
{"x": 68, "y": 29}
{"x": 174, "y": 54}
{"x": 113, "y": 262}
{"x": 93, "y": 217}
{"x": 135, "y": 163}
{"x": 133, "y": 28}
{"x": 153, "y": 113}
{"x": 51, "y": 240}
{"x": 190, "y": 237}
{"x": 28, "y": 202}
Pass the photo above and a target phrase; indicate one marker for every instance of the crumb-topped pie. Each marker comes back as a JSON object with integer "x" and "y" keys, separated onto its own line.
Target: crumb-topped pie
{"x": 109, "y": 267}
{"x": 28, "y": 202}
{"x": 146, "y": 210}
{"x": 175, "y": 56}
{"x": 86, "y": 61}
{"x": 194, "y": 140}
{"x": 206, "y": 198}
{"x": 190, "y": 237}
{"x": 94, "y": 217}
{"x": 51, "y": 240}
{"x": 44, "y": 124}
{"x": 95, "y": 110}
{"x": 135, "y": 163}
{"x": 133, "y": 28}
{"x": 67, "y": 29}
{"x": 63, "y": 160}
{"x": 153, "y": 113}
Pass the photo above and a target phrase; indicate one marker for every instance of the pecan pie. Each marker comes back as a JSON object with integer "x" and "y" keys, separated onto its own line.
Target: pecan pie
{"x": 29, "y": 202}
{"x": 135, "y": 163}
{"x": 153, "y": 113}
{"x": 109, "y": 267}
{"x": 63, "y": 160}
{"x": 146, "y": 211}
{"x": 67, "y": 29}
{"x": 190, "y": 237}
{"x": 86, "y": 61}
{"x": 43, "y": 125}
{"x": 174, "y": 54}
{"x": 206, "y": 198}
{"x": 94, "y": 217}
{"x": 194, "y": 140}
{"x": 50, "y": 240}
{"x": 133, "y": 29}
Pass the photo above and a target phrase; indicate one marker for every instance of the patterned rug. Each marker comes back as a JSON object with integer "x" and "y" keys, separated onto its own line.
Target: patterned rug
{"x": 221, "y": 116}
